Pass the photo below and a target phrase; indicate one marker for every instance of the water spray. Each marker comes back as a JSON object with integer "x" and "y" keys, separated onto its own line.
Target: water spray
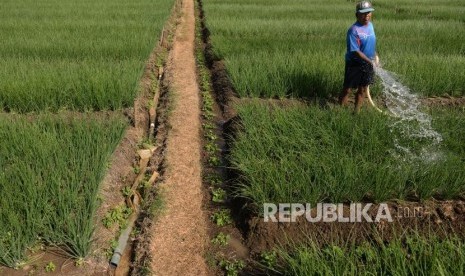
{"x": 411, "y": 123}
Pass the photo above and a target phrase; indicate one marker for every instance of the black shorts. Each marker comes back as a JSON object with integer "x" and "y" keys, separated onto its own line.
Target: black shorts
{"x": 358, "y": 74}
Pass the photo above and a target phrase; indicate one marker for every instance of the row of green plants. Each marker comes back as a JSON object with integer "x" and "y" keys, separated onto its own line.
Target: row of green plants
{"x": 409, "y": 255}
{"x": 221, "y": 217}
{"x": 63, "y": 54}
{"x": 296, "y": 48}
{"x": 310, "y": 154}
{"x": 51, "y": 170}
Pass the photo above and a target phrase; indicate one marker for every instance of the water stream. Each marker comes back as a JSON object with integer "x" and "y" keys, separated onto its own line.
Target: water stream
{"x": 415, "y": 139}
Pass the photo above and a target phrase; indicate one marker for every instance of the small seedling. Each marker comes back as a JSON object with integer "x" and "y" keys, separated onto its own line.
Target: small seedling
{"x": 208, "y": 126}
{"x": 214, "y": 161}
{"x": 118, "y": 215}
{"x": 144, "y": 184}
{"x": 210, "y": 135}
{"x": 221, "y": 239}
{"x": 209, "y": 115}
{"x": 213, "y": 179}
{"x": 222, "y": 217}
{"x": 232, "y": 268}
{"x": 111, "y": 248}
{"x": 269, "y": 258}
{"x": 135, "y": 232}
{"x": 136, "y": 170}
{"x": 127, "y": 191}
{"x": 211, "y": 148}
{"x": 218, "y": 195}
{"x": 50, "y": 267}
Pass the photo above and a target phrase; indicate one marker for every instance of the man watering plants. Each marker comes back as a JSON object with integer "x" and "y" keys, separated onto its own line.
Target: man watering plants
{"x": 360, "y": 57}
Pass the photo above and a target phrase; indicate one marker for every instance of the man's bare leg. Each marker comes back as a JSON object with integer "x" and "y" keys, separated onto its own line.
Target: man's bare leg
{"x": 361, "y": 94}
{"x": 344, "y": 96}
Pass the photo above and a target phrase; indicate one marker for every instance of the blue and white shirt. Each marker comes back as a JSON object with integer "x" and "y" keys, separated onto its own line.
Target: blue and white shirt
{"x": 361, "y": 38}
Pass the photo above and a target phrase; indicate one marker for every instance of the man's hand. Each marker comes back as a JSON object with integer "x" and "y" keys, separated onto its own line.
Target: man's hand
{"x": 376, "y": 61}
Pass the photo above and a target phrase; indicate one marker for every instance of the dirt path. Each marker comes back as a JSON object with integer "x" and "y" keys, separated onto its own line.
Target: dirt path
{"x": 180, "y": 234}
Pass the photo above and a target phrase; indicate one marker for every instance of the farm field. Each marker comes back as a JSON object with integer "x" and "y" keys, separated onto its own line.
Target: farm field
{"x": 51, "y": 170}
{"x": 85, "y": 179}
{"x": 293, "y": 151}
{"x": 296, "y": 48}
{"x": 70, "y": 73}
{"x": 314, "y": 155}
{"x": 85, "y": 55}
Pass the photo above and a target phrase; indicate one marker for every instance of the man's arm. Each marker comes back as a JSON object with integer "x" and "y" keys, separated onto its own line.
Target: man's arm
{"x": 361, "y": 55}
{"x": 376, "y": 60}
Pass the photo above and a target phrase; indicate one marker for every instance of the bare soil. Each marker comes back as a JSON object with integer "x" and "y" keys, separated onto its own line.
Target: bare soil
{"x": 179, "y": 236}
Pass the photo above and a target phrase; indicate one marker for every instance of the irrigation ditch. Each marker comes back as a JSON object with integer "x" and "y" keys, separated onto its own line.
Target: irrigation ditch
{"x": 251, "y": 240}
{"x": 151, "y": 116}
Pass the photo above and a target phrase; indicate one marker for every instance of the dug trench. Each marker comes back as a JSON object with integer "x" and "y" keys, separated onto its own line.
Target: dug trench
{"x": 433, "y": 217}
{"x": 138, "y": 164}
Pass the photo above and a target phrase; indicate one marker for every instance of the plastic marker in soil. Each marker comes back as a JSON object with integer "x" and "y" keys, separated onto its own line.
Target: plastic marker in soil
{"x": 411, "y": 123}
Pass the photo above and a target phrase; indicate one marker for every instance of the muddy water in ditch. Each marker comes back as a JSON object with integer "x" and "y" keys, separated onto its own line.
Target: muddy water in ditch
{"x": 411, "y": 126}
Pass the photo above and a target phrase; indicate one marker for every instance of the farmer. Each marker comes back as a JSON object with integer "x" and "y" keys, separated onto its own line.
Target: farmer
{"x": 361, "y": 56}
